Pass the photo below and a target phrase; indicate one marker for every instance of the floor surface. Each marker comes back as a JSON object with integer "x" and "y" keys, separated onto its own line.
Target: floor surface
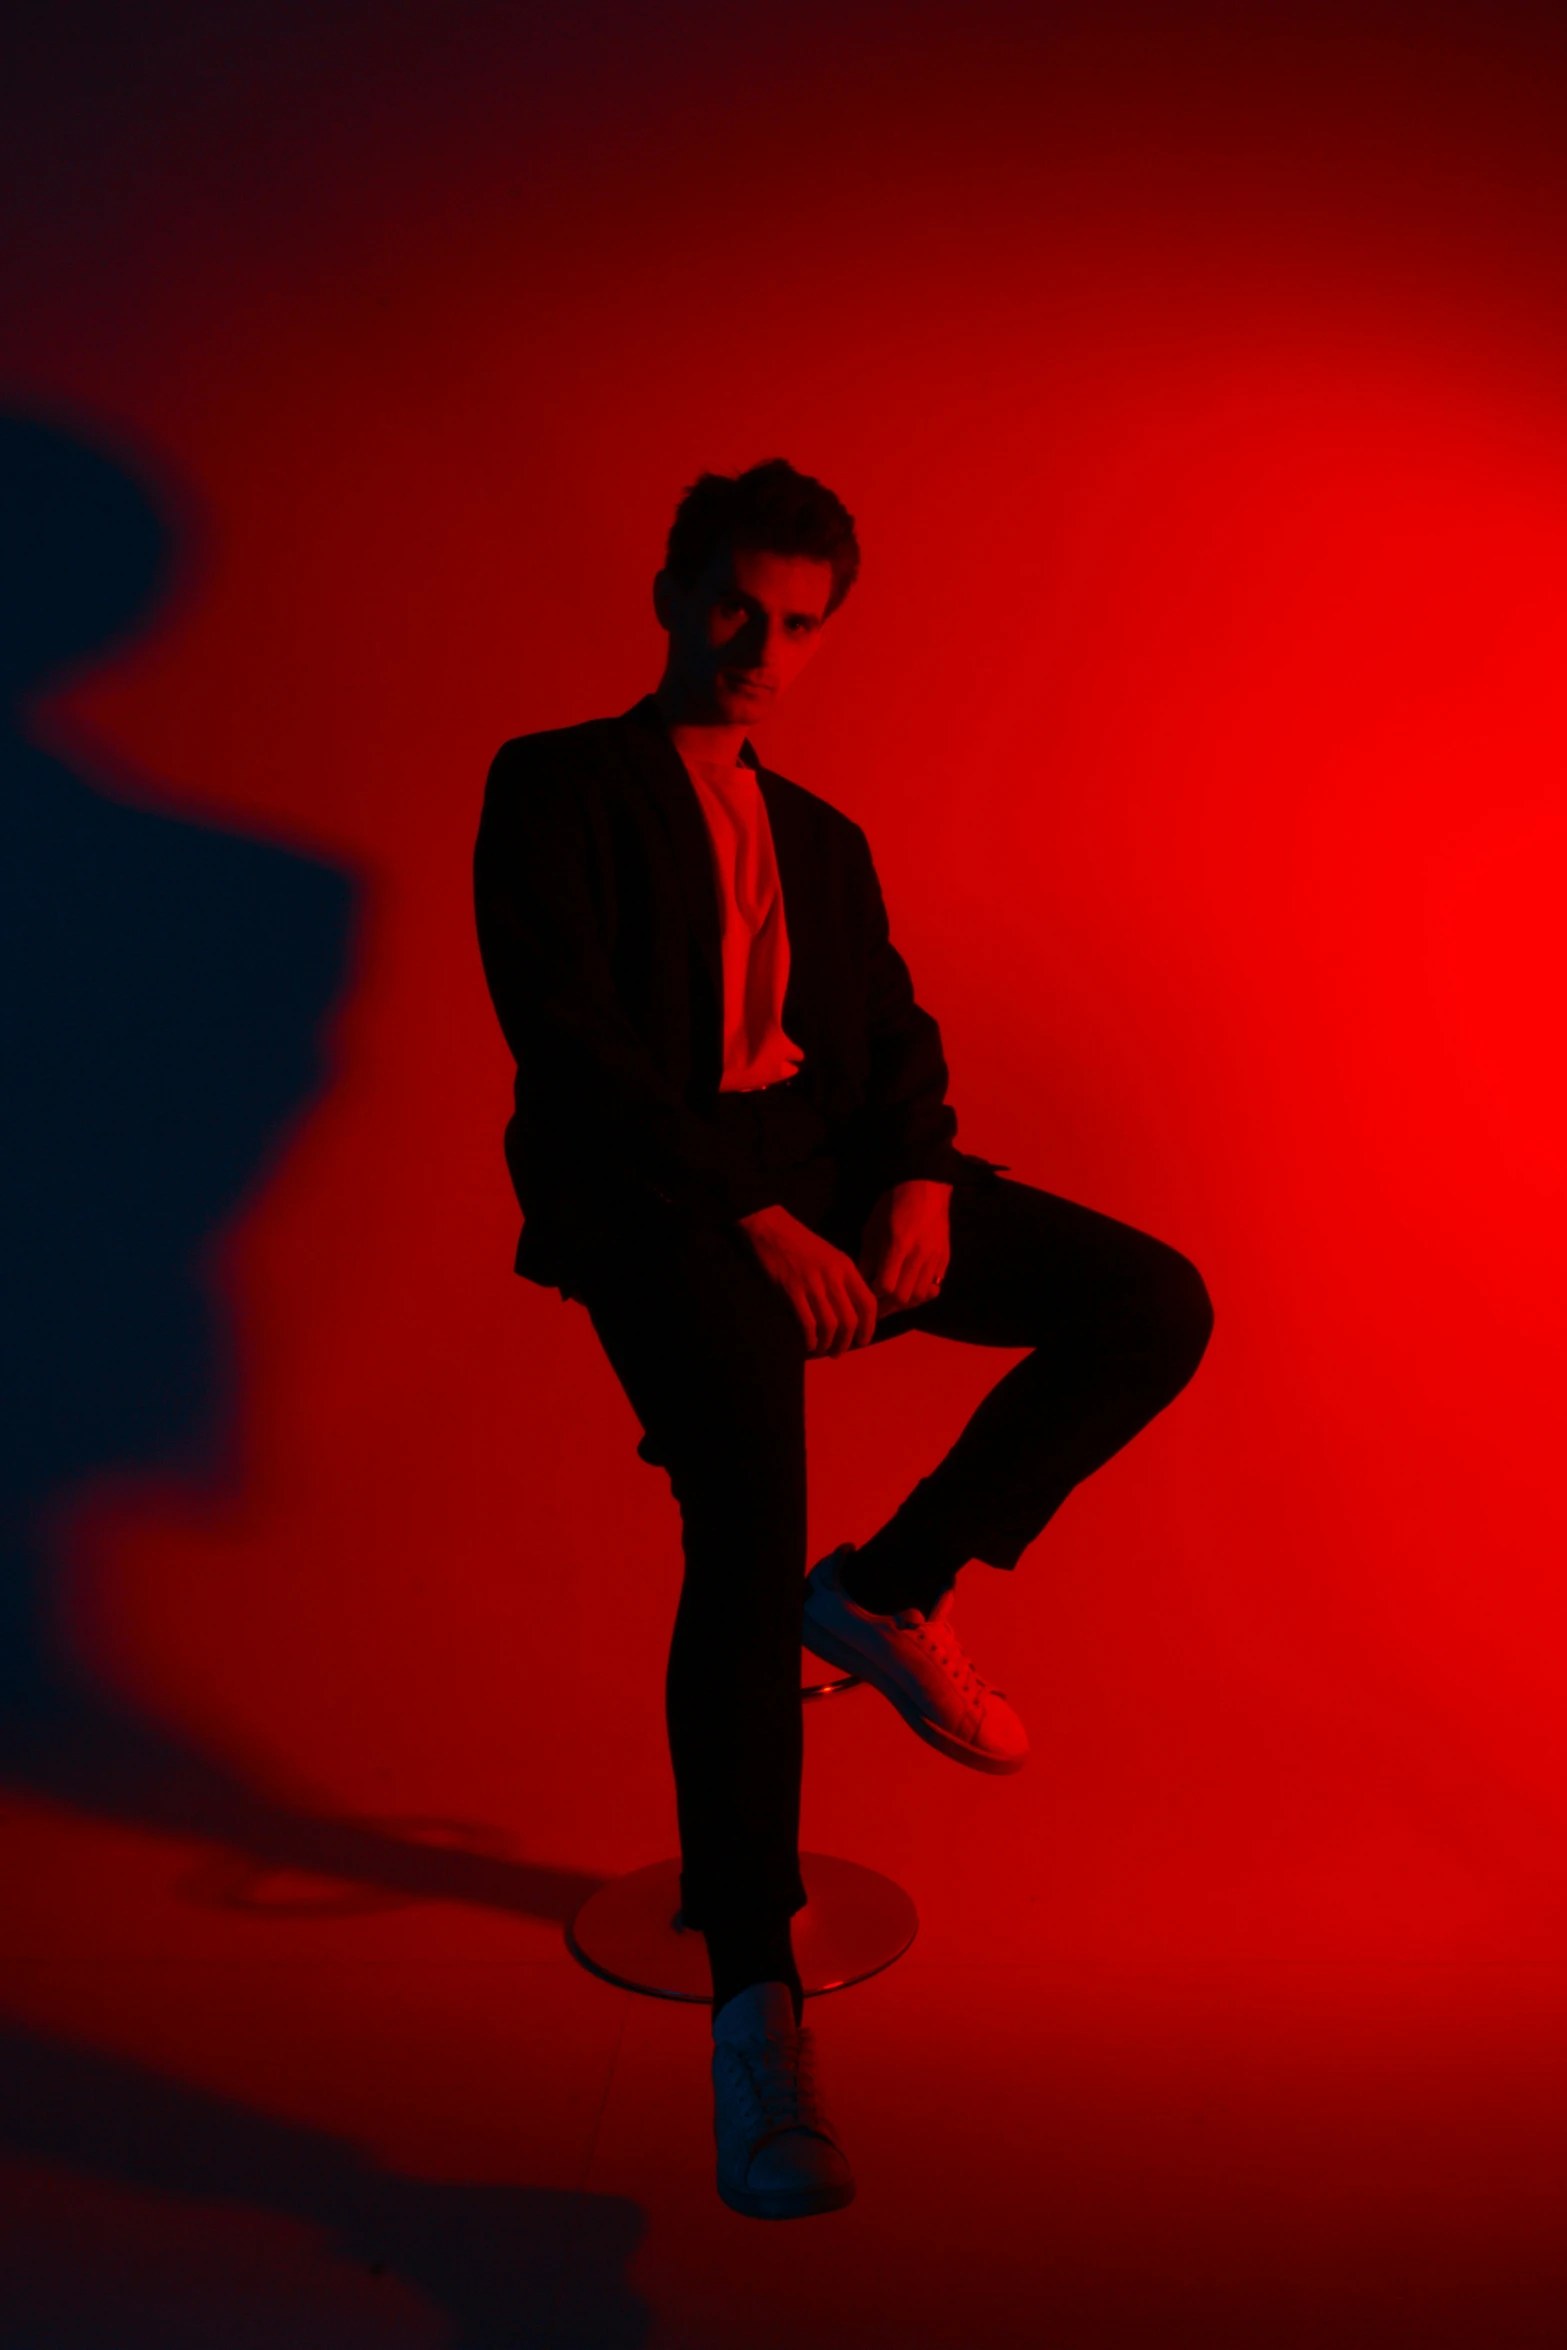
{"x": 260, "y": 2107}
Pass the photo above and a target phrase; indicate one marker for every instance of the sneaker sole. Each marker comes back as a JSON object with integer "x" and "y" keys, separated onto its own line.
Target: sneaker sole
{"x": 850, "y": 1660}
{"x": 805, "y": 2203}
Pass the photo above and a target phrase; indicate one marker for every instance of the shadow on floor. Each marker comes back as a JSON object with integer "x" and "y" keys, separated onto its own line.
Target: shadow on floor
{"x": 504, "y": 2265}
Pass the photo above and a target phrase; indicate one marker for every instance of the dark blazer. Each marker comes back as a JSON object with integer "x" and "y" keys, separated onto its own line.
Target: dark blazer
{"x": 598, "y": 921}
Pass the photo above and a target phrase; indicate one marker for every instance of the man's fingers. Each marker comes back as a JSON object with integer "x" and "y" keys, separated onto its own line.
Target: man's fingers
{"x": 848, "y": 1330}
{"x": 846, "y": 1313}
{"x": 918, "y": 1281}
{"x": 895, "y": 1267}
{"x": 879, "y": 1280}
{"x": 900, "y": 1278}
{"x": 828, "y": 1310}
{"x": 861, "y": 1298}
{"x": 805, "y": 1311}
{"x": 833, "y": 1301}
{"x": 927, "y": 1277}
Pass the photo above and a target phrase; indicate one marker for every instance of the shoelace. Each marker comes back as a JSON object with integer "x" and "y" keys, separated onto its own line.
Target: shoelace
{"x": 782, "y": 2077}
{"x": 936, "y": 1634}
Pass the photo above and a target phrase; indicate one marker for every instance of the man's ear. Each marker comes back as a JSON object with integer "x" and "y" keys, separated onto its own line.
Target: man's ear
{"x": 663, "y": 591}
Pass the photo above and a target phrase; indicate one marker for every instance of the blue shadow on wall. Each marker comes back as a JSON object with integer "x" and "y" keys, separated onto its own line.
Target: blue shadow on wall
{"x": 166, "y": 986}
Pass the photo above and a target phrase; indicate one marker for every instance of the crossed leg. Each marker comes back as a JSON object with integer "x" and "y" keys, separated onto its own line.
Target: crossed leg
{"x": 712, "y": 1360}
{"x": 1117, "y": 1323}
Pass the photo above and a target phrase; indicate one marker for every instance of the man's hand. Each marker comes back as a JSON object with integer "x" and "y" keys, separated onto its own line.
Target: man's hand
{"x": 835, "y": 1307}
{"x": 907, "y": 1244}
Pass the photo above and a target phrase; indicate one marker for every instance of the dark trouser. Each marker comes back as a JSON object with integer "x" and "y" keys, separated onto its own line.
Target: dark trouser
{"x": 712, "y": 1358}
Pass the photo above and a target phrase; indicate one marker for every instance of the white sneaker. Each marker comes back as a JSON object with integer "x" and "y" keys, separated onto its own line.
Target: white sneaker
{"x": 777, "y": 2155}
{"x": 918, "y": 1663}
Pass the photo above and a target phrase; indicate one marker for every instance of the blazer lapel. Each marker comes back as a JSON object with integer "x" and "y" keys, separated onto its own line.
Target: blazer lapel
{"x": 800, "y": 883}
{"x": 660, "y": 766}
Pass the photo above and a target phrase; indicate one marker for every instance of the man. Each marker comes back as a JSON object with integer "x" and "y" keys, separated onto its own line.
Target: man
{"x": 732, "y": 1143}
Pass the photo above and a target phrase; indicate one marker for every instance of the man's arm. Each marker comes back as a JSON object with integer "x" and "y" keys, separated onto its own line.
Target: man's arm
{"x": 546, "y": 960}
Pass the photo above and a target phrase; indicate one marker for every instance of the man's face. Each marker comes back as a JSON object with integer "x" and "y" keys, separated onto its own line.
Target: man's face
{"x": 742, "y": 633}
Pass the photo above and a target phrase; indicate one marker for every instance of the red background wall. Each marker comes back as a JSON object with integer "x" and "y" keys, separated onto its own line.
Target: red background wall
{"x": 1197, "y": 378}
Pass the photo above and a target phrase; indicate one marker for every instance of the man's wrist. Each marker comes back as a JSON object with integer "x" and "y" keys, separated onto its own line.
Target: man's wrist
{"x": 771, "y": 1218}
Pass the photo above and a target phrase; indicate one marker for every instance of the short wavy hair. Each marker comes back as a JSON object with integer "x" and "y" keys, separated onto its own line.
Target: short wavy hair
{"x": 770, "y": 508}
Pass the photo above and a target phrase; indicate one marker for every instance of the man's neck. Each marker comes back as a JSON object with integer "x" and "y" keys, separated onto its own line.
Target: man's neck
{"x": 711, "y": 743}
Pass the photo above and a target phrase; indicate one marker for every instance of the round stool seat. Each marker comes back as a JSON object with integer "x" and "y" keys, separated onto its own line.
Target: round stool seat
{"x": 854, "y": 1923}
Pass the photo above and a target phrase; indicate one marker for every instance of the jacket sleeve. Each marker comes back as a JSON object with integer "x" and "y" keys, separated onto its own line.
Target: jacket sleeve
{"x": 907, "y": 1124}
{"x": 546, "y": 959}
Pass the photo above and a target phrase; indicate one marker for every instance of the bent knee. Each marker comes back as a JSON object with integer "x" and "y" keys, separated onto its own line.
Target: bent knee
{"x": 1185, "y": 1313}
